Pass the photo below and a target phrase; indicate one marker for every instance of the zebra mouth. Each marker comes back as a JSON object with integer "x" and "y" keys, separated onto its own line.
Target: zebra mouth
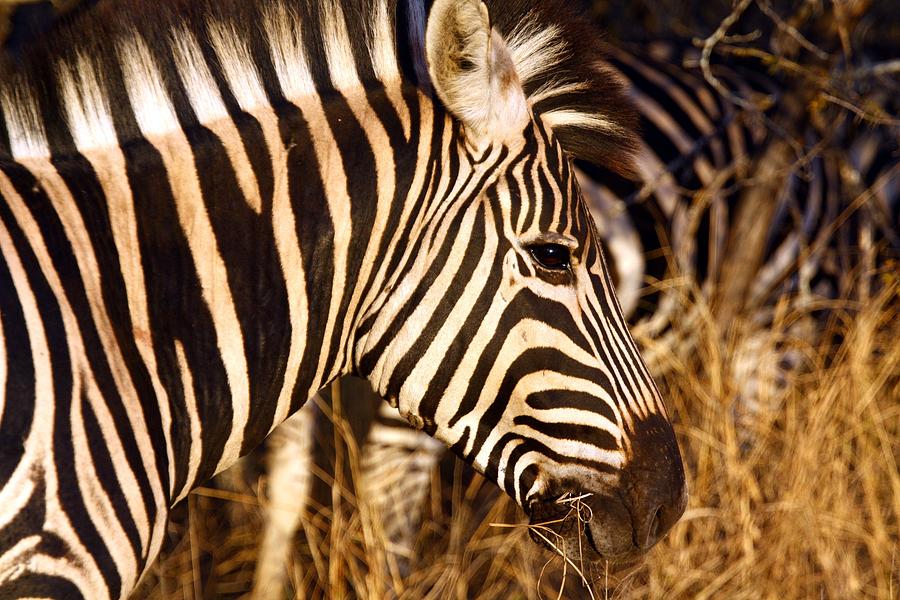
{"x": 562, "y": 522}
{"x": 584, "y": 527}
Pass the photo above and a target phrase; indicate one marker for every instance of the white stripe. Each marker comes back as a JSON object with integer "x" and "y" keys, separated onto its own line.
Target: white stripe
{"x": 381, "y": 44}
{"x": 553, "y": 88}
{"x": 85, "y": 105}
{"x": 525, "y": 461}
{"x": 287, "y": 52}
{"x": 237, "y": 65}
{"x": 198, "y": 82}
{"x": 568, "y": 117}
{"x": 190, "y": 405}
{"x": 338, "y": 51}
{"x": 503, "y": 466}
{"x": 150, "y": 102}
{"x": 536, "y": 48}
{"x": 574, "y": 449}
{"x": 207, "y": 103}
{"x": 384, "y": 61}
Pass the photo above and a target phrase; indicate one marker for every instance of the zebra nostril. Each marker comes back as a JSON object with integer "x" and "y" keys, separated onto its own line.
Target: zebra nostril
{"x": 654, "y": 485}
{"x": 653, "y": 529}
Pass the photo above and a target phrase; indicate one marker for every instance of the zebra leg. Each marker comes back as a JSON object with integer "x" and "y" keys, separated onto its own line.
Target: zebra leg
{"x": 289, "y": 462}
{"x": 397, "y": 463}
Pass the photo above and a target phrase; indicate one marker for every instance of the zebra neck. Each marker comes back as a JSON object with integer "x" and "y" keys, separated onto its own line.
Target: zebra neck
{"x": 224, "y": 202}
{"x": 222, "y": 270}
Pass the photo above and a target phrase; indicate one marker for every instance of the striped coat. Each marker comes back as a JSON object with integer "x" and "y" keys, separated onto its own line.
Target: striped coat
{"x": 209, "y": 211}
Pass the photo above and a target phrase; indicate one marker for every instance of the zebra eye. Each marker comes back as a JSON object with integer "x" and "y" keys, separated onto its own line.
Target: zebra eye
{"x": 551, "y": 256}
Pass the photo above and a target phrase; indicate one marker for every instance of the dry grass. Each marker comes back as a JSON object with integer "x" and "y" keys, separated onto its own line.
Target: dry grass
{"x": 803, "y": 499}
{"x": 794, "y": 496}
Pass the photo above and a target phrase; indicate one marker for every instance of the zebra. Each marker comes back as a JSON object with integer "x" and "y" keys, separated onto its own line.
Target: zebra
{"x": 691, "y": 136}
{"x": 210, "y": 210}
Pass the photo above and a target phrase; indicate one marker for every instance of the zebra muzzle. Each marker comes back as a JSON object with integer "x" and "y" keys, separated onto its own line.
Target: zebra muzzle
{"x": 618, "y": 521}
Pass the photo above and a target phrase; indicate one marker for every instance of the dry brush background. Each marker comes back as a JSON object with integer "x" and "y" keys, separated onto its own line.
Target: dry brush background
{"x": 802, "y": 500}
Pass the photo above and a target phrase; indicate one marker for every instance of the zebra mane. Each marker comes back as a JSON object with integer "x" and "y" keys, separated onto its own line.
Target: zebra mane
{"x": 312, "y": 46}
{"x": 560, "y": 58}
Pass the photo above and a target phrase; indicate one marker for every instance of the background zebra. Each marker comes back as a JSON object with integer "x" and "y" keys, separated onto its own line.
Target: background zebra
{"x": 194, "y": 241}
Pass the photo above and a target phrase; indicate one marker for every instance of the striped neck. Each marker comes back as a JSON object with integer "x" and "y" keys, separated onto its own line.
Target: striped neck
{"x": 226, "y": 149}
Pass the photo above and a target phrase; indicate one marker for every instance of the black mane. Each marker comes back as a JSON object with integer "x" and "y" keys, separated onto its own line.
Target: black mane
{"x": 576, "y": 81}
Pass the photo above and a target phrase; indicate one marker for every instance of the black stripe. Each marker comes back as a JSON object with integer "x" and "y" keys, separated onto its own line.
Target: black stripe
{"x": 106, "y": 475}
{"x": 4, "y": 138}
{"x": 35, "y": 585}
{"x": 315, "y": 235}
{"x": 18, "y": 409}
{"x": 517, "y": 202}
{"x": 530, "y": 198}
{"x": 586, "y": 434}
{"x": 29, "y": 520}
{"x": 255, "y": 279}
{"x": 177, "y": 312}
{"x": 311, "y": 19}
{"x": 549, "y": 398}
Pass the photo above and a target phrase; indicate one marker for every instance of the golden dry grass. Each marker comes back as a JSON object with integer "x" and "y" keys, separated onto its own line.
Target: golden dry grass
{"x": 796, "y": 496}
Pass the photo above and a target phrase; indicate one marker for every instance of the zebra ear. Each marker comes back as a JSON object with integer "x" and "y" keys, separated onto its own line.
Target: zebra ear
{"x": 472, "y": 70}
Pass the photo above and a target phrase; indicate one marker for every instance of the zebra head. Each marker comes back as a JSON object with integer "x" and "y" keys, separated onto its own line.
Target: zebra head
{"x": 503, "y": 337}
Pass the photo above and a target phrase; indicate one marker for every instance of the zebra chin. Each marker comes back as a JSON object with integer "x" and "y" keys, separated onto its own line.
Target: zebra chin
{"x": 616, "y": 518}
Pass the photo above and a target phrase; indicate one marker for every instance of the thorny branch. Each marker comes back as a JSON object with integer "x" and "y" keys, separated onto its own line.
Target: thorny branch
{"x": 834, "y": 85}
